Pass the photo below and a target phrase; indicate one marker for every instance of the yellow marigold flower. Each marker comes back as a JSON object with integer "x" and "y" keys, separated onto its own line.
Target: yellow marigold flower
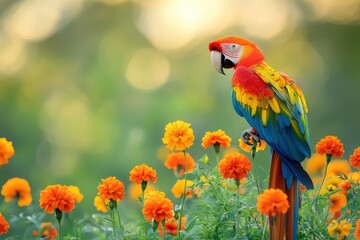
{"x": 339, "y": 230}
{"x": 315, "y": 165}
{"x": 6, "y": 151}
{"x": 171, "y": 226}
{"x": 355, "y": 158}
{"x": 178, "y": 189}
{"x": 135, "y": 190}
{"x": 272, "y": 202}
{"x": 157, "y": 207}
{"x": 47, "y": 230}
{"x": 100, "y": 204}
{"x": 76, "y": 191}
{"x": 178, "y": 161}
{"x": 354, "y": 177}
{"x": 330, "y": 184}
{"x": 17, "y": 188}
{"x": 111, "y": 188}
{"x": 235, "y": 165}
{"x": 4, "y": 225}
{"x": 338, "y": 167}
{"x": 57, "y": 197}
{"x": 330, "y": 145}
{"x": 357, "y": 230}
{"x": 338, "y": 201}
{"x": 218, "y": 138}
{"x": 178, "y": 136}
{"x": 143, "y": 173}
{"x": 247, "y": 148}
{"x": 154, "y": 194}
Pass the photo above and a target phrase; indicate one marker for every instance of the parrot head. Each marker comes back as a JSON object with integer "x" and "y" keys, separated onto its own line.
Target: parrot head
{"x": 230, "y": 52}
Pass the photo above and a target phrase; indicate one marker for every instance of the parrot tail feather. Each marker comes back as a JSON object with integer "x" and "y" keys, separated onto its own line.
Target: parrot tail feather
{"x": 292, "y": 213}
{"x": 285, "y": 225}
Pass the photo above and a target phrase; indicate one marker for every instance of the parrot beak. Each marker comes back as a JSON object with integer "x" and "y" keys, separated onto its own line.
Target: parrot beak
{"x": 217, "y": 60}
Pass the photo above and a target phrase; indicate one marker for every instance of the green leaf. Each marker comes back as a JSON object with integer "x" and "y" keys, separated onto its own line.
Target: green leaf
{"x": 191, "y": 225}
{"x": 204, "y": 159}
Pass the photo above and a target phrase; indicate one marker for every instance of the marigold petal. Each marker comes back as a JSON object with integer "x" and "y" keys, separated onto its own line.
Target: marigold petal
{"x": 111, "y": 188}
{"x": 216, "y": 137}
{"x": 143, "y": 173}
{"x": 4, "y": 225}
{"x": 178, "y": 161}
{"x": 235, "y": 165}
{"x": 178, "y": 136}
{"x": 355, "y": 158}
{"x": 17, "y": 188}
{"x": 57, "y": 197}
{"x": 330, "y": 145}
{"x": 272, "y": 202}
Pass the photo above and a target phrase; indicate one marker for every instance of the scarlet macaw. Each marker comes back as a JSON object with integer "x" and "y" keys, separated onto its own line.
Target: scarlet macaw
{"x": 275, "y": 108}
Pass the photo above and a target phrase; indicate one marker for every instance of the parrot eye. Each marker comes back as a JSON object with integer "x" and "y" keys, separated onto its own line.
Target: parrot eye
{"x": 233, "y": 47}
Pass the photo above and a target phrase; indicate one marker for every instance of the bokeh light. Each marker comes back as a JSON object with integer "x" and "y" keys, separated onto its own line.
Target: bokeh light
{"x": 148, "y": 69}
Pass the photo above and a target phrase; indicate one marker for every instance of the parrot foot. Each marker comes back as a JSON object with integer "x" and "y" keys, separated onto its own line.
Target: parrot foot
{"x": 250, "y": 135}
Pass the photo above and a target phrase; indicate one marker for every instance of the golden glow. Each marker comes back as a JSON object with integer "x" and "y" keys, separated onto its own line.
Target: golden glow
{"x": 148, "y": 69}
{"x": 170, "y": 25}
{"x": 264, "y": 19}
{"x": 35, "y": 20}
{"x": 112, "y": 2}
{"x": 341, "y": 12}
{"x": 13, "y": 55}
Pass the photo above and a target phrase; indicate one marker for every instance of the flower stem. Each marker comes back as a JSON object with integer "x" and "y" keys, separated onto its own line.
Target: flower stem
{"x": 328, "y": 159}
{"x": 112, "y": 206}
{"x": 163, "y": 229}
{"x": 142, "y": 206}
{"x": 183, "y": 198}
{"x": 237, "y": 181}
{"x": 59, "y": 214}
{"x": 212, "y": 186}
{"x": 256, "y": 177}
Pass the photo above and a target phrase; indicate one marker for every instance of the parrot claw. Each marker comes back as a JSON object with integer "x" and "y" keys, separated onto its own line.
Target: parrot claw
{"x": 248, "y": 134}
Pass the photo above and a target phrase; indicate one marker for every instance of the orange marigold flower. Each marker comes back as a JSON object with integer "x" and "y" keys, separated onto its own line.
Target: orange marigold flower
{"x": 315, "y": 165}
{"x": 4, "y": 225}
{"x": 143, "y": 173}
{"x": 178, "y": 189}
{"x": 339, "y": 230}
{"x": 171, "y": 226}
{"x": 157, "y": 207}
{"x": 344, "y": 185}
{"x": 302, "y": 188}
{"x": 47, "y": 230}
{"x": 135, "y": 190}
{"x": 235, "y": 165}
{"x": 17, "y": 188}
{"x": 338, "y": 167}
{"x": 111, "y": 188}
{"x": 355, "y": 158}
{"x": 77, "y": 194}
{"x": 178, "y": 161}
{"x": 178, "y": 135}
{"x": 330, "y": 145}
{"x": 247, "y": 148}
{"x": 338, "y": 201}
{"x": 357, "y": 230}
{"x": 216, "y": 138}
{"x": 57, "y": 197}
{"x": 272, "y": 202}
{"x": 6, "y": 151}
{"x": 100, "y": 204}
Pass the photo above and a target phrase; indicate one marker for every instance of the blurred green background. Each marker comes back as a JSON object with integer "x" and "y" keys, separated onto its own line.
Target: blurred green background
{"x": 87, "y": 87}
